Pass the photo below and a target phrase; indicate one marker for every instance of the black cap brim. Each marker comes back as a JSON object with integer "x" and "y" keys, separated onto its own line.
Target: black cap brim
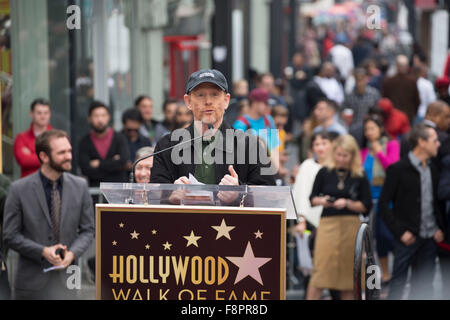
{"x": 199, "y": 82}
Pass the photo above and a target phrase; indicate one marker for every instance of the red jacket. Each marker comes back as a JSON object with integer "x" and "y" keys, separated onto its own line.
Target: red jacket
{"x": 396, "y": 122}
{"x": 446, "y": 72}
{"x": 25, "y": 152}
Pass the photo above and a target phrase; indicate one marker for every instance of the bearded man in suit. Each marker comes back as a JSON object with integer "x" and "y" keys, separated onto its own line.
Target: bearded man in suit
{"x": 49, "y": 221}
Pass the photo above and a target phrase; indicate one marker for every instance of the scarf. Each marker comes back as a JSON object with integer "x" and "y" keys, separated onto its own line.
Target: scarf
{"x": 378, "y": 173}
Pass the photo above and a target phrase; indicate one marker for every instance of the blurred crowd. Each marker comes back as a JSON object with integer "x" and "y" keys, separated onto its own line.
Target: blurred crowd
{"x": 363, "y": 135}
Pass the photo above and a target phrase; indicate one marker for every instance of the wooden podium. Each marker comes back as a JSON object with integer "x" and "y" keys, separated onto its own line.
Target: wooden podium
{"x": 213, "y": 251}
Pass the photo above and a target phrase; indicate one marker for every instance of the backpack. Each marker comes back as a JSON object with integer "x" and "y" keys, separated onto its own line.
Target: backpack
{"x": 247, "y": 124}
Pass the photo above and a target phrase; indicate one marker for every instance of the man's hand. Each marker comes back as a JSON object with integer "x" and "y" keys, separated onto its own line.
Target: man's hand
{"x": 94, "y": 163}
{"x": 68, "y": 258}
{"x": 439, "y": 236}
{"x": 231, "y": 179}
{"x": 408, "y": 238}
{"x": 26, "y": 151}
{"x": 179, "y": 195}
{"x": 49, "y": 253}
{"x": 182, "y": 180}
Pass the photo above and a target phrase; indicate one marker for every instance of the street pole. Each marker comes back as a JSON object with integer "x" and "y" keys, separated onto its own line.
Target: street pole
{"x": 276, "y": 38}
{"x": 293, "y": 27}
{"x": 1, "y": 132}
{"x": 222, "y": 38}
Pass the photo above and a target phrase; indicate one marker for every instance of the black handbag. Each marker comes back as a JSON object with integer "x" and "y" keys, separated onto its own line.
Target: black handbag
{"x": 5, "y": 291}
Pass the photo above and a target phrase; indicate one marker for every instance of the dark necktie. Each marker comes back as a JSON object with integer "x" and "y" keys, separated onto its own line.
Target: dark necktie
{"x": 55, "y": 210}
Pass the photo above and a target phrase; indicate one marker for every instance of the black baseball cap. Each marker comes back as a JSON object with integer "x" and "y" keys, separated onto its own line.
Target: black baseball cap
{"x": 206, "y": 76}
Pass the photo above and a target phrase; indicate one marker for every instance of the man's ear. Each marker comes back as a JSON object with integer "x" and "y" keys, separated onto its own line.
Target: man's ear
{"x": 43, "y": 157}
{"x": 227, "y": 99}
{"x": 420, "y": 142}
{"x": 187, "y": 101}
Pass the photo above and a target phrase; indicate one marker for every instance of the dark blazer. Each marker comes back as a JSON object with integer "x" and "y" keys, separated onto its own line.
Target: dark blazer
{"x": 165, "y": 171}
{"x": 444, "y": 193}
{"x": 110, "y": 169}
{"x": 402, "y": 188}
{"x": 28, "y": 227}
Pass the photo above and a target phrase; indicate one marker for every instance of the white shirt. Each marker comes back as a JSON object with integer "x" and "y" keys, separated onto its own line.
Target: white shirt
{"x": 302, "y": 190}
{"x": 342, "y": 58}
{"x": 332, "y": 88}
{"x": 427, "y": 95}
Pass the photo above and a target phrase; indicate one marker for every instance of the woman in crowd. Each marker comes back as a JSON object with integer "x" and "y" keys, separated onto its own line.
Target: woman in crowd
{"x": 343, "y": 191}
{"x": 304, "y": 140}
{"x": 378, "y": 153}
{"x": 321, "y": 143}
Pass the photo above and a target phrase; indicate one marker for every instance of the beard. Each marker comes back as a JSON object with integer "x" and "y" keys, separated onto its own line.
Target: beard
{"x": 58, "y": 167}
{"x": 99, "y": 130}
{"x": 210, "y": 119}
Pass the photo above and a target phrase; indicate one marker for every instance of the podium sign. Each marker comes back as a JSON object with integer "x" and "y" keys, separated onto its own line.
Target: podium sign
{"x": 163, "y": 252}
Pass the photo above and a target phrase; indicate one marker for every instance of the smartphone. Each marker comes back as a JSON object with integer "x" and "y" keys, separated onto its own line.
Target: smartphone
{"x": 331, "y": 199}
{"x": 60, "y": 252}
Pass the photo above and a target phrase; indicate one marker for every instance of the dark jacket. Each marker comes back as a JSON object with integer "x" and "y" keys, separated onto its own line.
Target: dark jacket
{"x": 305, "y": 100}
{"x": 165, "y": 171}
{"x": 111, "y": 169}
{"x": 402, "y": 188}
{"x": 444, "y": 195}
{"x": 133, "y": 147}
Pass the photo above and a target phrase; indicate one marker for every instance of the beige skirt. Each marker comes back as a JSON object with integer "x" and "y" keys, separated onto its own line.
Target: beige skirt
{"x": 334, "y": 253}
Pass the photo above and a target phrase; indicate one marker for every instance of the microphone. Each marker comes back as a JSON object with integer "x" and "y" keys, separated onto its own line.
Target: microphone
{"x": 209, "y": 131}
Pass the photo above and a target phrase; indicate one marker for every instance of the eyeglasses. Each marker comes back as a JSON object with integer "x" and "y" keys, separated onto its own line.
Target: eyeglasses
{"x": 131, "y": 130}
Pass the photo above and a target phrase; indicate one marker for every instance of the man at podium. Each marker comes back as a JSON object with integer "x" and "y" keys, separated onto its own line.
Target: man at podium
{"x": 210, "y": 150}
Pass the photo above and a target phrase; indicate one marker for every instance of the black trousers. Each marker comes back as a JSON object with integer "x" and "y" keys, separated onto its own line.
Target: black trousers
{"x": 421, "y": 257}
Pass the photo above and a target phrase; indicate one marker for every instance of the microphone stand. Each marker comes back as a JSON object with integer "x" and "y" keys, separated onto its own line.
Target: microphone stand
{"x": 131, "y": 179}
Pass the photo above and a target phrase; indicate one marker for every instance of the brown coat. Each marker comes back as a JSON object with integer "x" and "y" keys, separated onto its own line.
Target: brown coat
{"x": 402, "y": 91}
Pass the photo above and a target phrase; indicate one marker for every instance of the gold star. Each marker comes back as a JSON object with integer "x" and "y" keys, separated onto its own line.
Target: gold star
{"x": 147, "y": 246}
{"x": 223, "y": 230}
{"x": 134, "y": 235}
{"x": 114, "y": 243}
{"x": 154, "y": 231}
{"x": 192, "y": 239}
{"x": 167, "y": 245}
{"x": 258, "y": 234}
{"x": 121, "y": 225}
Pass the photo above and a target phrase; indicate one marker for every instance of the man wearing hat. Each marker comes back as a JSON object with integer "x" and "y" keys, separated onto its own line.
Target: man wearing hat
{"x": 217, "y": 160}
{"x": 259, "y": 121}
{"x": 442, "y": 87}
